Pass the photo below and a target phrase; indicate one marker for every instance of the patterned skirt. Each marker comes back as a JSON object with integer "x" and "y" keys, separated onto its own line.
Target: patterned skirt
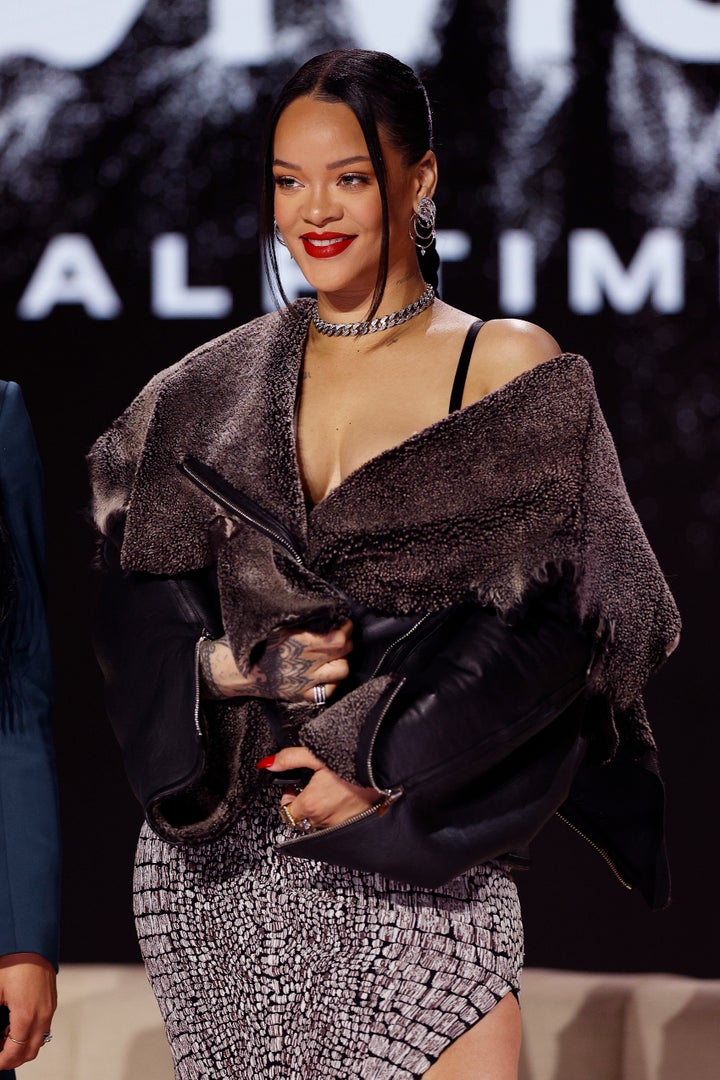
{"x": 272, "y": 968}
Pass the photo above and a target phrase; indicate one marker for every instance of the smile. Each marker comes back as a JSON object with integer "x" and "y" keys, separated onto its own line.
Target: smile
{"x": 326, "y": 245}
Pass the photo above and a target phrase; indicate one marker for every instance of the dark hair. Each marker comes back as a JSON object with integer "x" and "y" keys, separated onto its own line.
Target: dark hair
{"x": 383, "y": 93}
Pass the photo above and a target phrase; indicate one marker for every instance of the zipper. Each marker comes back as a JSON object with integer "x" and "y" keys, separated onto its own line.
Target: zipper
{"x": 204, "y": 636}
{"x": 192, "y": 472}
{"x": 398, "y": 641}
{"x": 390, "y": 698}
{"x": 601, "y": 851}
{"x": 391, "y": 795}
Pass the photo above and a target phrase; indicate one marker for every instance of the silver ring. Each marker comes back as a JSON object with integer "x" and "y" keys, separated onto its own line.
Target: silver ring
{"x": 304, "y": 826}
{"x": 47, "y": 1037}
{"x": 319, "y": 694}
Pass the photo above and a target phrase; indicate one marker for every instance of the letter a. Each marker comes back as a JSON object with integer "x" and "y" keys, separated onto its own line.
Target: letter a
{"x": 70, "y": 272}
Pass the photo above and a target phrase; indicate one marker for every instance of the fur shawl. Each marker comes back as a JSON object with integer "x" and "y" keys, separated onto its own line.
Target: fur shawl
{"x": 486, "y": 504}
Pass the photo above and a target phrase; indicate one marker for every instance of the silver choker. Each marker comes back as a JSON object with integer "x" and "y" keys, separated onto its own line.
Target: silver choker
{"x": 371, "y": 326}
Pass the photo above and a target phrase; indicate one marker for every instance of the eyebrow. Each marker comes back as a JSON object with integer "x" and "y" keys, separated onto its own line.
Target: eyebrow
{"x": 332, "y": 165}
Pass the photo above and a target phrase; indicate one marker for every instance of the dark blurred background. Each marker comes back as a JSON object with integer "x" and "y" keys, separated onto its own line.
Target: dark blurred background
{"x": 579, "y": 146}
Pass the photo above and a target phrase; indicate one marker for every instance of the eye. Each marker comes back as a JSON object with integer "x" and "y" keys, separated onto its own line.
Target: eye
{"x": 285, "y": 182}
{"x": 353, "y": 180}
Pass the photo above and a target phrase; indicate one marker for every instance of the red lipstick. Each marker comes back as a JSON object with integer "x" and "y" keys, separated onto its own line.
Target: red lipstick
{"x": 325, "y": 245}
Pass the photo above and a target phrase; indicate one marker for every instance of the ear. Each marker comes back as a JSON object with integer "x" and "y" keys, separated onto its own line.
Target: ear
{"x": 426, "y": 176}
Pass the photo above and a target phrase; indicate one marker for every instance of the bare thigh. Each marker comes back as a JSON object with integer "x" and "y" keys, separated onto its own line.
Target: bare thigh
{"x": 490, "y": 1050}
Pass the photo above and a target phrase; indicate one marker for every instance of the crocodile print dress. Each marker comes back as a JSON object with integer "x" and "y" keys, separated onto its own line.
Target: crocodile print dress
{"x": 265, "y": 966}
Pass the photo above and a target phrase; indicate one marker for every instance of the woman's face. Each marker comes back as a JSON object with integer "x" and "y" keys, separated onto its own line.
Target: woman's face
{"x": 327, "y": 199}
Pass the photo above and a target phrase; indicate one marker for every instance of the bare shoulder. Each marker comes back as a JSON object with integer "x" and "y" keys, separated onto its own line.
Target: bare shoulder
{"x": 504, "y": 349}
{"x": 520, "y": 344}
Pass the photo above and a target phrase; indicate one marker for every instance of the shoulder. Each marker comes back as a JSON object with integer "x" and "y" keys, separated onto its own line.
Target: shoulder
{"x": 20, "y": 468}
{"x": 504, "y": 349}
{"x": 12, "y": 405}
{"x": 16, "y": 436}
{"x": 204, "y": 368}
{"x": 233, "y": 351}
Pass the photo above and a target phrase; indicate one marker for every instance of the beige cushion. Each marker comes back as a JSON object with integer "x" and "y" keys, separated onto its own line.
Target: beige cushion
{"x": 573, "y": 1025}
{"x": 107, "y": 1027}
{"x": 673, "y": 1029}
{"x": 619, "y": 1027}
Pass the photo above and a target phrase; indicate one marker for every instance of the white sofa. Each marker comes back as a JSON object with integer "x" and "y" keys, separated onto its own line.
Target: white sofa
{"x": 577, "y": 1027}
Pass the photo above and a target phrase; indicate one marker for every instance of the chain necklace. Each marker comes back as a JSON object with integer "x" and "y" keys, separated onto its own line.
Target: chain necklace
{"x": 371, "y": 326}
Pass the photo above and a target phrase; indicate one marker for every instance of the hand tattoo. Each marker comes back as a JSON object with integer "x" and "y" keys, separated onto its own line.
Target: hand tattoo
{"x": 283, "y": 671}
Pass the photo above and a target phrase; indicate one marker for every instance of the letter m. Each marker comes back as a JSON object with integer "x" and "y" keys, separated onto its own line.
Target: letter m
{"x": 596, "y": 273}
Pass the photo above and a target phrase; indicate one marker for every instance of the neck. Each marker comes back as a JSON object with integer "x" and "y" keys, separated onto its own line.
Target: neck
{"x": 379, "y": 323}
{"x": 354, "y": 307}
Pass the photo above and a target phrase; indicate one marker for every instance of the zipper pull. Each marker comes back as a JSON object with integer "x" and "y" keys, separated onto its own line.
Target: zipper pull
{"x": 391, "y": 796}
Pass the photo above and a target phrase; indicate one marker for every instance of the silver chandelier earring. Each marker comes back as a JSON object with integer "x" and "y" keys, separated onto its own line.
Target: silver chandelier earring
{"x": 422, "y": 224}
{"x": 278, "y": 235}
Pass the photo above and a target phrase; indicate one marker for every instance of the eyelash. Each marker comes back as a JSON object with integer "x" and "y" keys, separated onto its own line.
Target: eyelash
{"x": 346, "y": 180}
{"x": 354, "y": 178}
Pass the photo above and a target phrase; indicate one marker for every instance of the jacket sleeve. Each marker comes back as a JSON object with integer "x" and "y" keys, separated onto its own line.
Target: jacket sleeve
{"x": 493, "y": 731}
{"x": 469, "y": 687}
{"x": 29, "y": 867}
{"x": 473, "y": 697}
{"x": 147, "y": 632}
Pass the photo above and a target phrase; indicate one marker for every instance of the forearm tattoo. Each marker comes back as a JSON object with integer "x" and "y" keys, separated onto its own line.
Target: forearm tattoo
{"x": 210, "y": 648}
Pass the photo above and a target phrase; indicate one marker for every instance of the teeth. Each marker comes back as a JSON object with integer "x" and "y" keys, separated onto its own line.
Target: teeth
{"x": 326, "y": 243}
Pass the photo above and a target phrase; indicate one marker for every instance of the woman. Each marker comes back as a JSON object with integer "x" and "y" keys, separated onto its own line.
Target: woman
{"x": 286, "y": 494}
{"x": 28, "y": 815}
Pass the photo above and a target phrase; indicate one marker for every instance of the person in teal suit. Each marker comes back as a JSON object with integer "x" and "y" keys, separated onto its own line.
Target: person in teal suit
{"x": 29, "y": 844}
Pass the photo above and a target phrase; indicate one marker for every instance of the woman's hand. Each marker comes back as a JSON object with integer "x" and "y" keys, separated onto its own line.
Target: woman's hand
{"x": 27, "y": 987}
{"x": 326, "y": 799}
{"x": 292, "y": 665}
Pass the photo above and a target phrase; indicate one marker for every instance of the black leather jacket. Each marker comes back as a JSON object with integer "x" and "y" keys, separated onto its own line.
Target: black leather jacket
{"x": 484, "y": 732}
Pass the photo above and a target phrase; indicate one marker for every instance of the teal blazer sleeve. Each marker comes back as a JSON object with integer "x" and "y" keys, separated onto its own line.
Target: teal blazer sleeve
{"x": 29, "y": 843}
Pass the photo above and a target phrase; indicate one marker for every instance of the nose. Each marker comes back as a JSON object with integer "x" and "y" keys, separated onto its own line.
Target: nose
{"x": 321, "y": 206}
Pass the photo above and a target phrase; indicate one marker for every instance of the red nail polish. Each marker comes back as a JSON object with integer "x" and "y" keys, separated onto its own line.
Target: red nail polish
{"x": 266, "y": 762}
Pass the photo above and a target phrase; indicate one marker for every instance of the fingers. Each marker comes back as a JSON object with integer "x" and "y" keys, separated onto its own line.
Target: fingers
{"x": 333, "y": 672}
{"x": 334, "y": 645}
{"x": 27, "y": 988}
{"x": 17, "y": 1053}
{"x": 23, "y": 1039}
{"x": 327, "y": 675}
{"x": 291, "y": 757}
{"x": 327, "y": 800}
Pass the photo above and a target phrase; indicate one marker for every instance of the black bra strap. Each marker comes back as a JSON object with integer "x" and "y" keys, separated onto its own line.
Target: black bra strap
{"x": 463, "y": 364}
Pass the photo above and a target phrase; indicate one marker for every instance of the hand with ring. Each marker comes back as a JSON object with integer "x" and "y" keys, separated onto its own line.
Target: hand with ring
{"x": 27, "y": 988}
{"x": 296, "y": 665}
{"x": 302, "y": 826}
{"x": 325, "y": 800}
